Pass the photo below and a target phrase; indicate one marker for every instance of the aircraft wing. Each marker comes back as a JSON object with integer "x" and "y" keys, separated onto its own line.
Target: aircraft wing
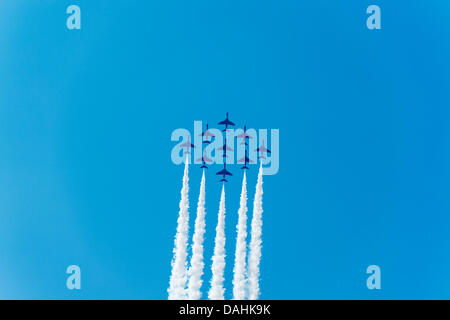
{"x": 263, "y": 149}
{"x": 224, "y": 172}
{"x": 227, "y": 122}
{"x": 228, "y": 148}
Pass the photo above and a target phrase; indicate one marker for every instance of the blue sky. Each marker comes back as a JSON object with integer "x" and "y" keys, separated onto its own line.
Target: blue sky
{"x": 86, "y": 117}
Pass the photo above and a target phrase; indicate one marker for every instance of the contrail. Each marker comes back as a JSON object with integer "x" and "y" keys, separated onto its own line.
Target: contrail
{"x": 239, "y": 280}
{"x": 216, "y": 292}
{"x": 255, "y": 242}
{"x": 178, "y": 278}
{"x": 196, "y": 269}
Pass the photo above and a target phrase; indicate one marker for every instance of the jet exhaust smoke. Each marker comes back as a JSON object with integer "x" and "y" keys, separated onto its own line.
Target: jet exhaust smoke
{"x": 255, "y": 242}
{"x": 216, "y": 292}
{"x": 239, "y": 279}
{"x": 178, "y": 277}
{"x": 196, "y": 270}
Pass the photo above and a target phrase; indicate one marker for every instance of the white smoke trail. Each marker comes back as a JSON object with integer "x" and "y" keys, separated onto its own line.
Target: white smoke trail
{"x": 216, "y": 292}
{"x": 196, "y": 269}
{"x": 255, "y": 242}
{"x": 239, "y": 280}
{"x": 178, "y": 278}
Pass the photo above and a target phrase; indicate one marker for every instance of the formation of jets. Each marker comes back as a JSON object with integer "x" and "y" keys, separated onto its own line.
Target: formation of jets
{"x": 224, "y": 172}
{"x": 244, "y": 136}
{"x": 207, "y": 136}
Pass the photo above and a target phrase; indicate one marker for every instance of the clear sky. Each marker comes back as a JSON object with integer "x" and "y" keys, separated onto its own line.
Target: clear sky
{"x": 86, "y": 116}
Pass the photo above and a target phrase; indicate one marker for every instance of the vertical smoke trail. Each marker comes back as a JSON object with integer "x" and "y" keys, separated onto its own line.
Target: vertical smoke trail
{"x": 216, "y": 292}
{"x": 255, "y": 242}
{"x": 239, "y": 280}
{"x": 177, "y": 287}
{"x": 196, "y": 269}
